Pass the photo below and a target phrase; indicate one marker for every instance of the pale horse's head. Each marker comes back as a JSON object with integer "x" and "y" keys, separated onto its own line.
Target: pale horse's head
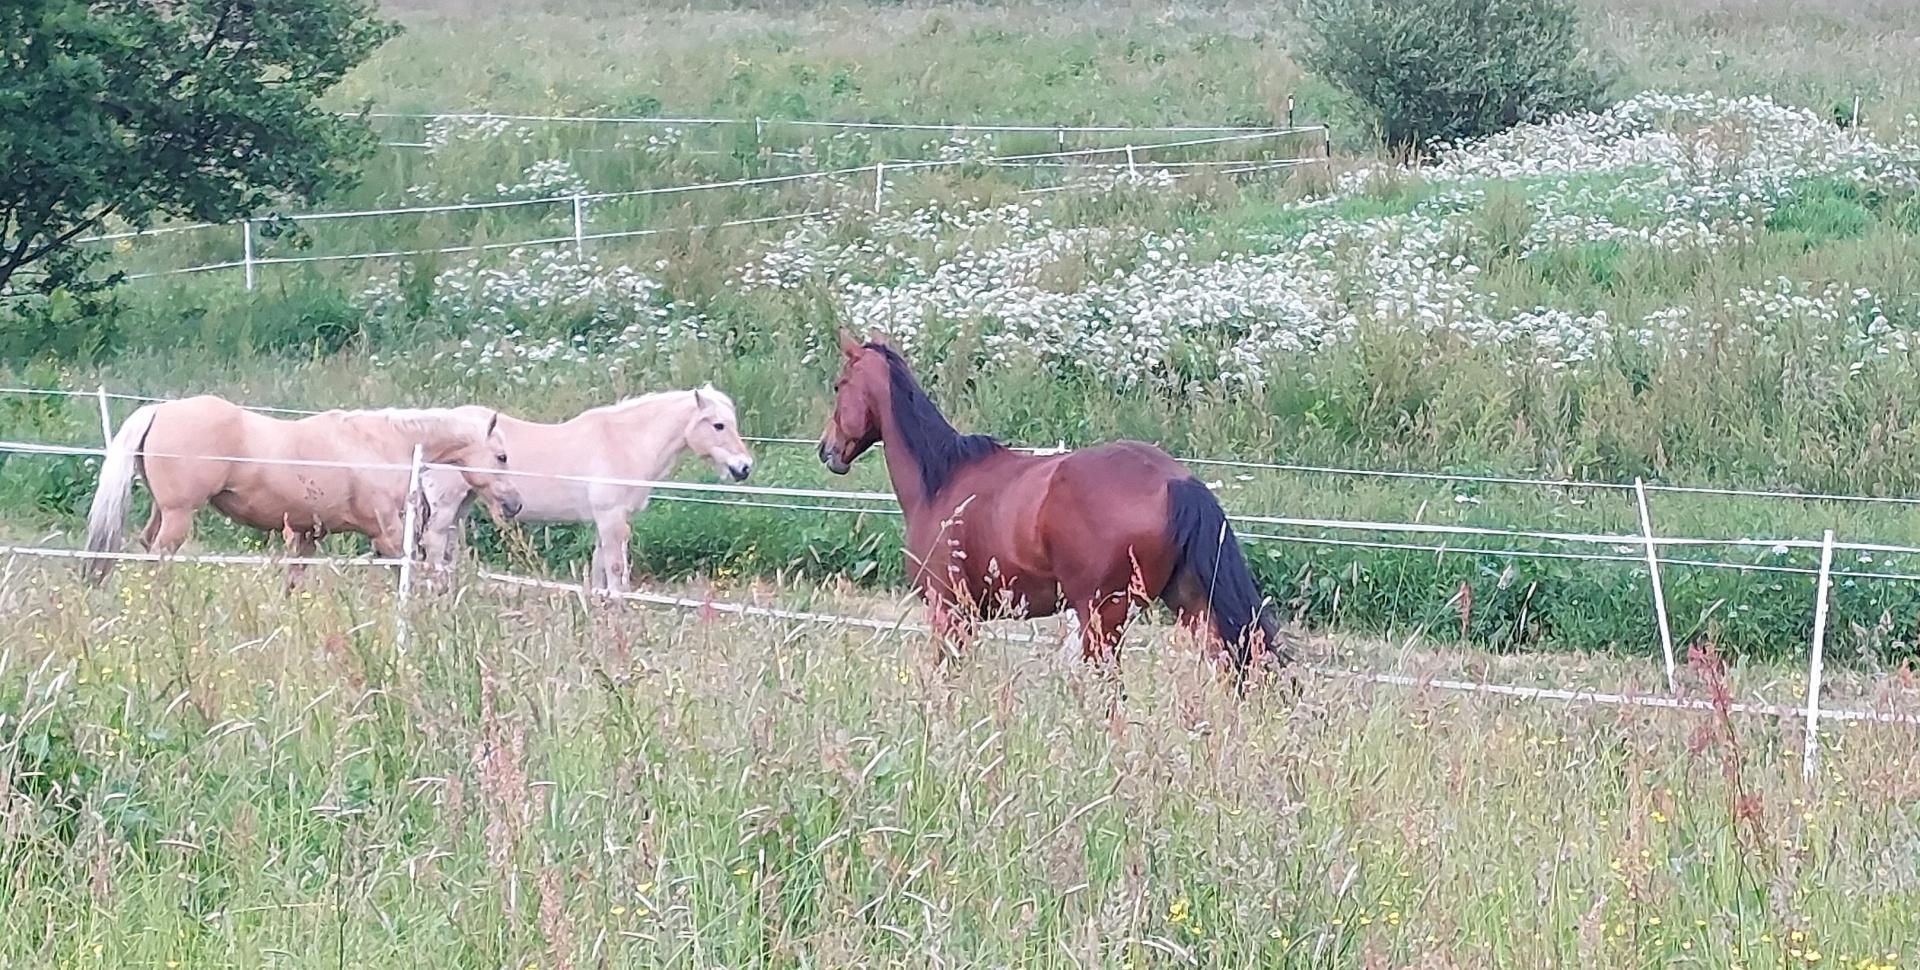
{"x": 713, "y": 433}
{"x": 479, "y": 449}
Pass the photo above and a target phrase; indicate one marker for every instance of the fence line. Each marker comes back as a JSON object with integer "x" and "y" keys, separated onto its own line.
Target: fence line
{"x": 761, "y": 124}
{"x": 1429, "y": 528}
{"x": 1559, "y": 483}
{"x": 896, "y": 164}
{"x": 211, "y": 559}
{"x": 900, "y": 625}
{"x": 1499, "y": 552}
{"x": 890, "y": 508}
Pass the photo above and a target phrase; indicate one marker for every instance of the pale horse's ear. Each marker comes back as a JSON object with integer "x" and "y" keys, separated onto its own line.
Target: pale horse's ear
{"x": 849, "y": 346}
{"x": 700, "y": 401}
{"x": 493, "y": 421}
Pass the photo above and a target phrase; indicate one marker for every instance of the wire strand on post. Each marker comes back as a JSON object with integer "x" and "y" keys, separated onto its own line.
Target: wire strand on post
{"x": 1816, "y": 663}
{"x": 579, "y": 226}
{"x": 409, "y": 545}
{"x": 246, "y": 250}
{"x": 106, "y": 419}
{"x": 1659, "y": 590}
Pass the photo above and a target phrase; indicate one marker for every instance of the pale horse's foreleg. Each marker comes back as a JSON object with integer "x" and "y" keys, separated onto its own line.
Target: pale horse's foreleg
{"x": 613, "y": 529}
{"x": 447, "y": 498}
{"x": 610, "y": 568}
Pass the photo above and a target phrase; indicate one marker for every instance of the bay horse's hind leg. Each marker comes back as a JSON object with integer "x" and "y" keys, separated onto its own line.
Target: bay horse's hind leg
{"x": 1103, "y": 622}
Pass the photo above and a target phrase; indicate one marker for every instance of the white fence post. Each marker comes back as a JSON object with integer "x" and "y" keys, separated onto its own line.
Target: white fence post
{"x": 1817, "y": 661}
{"x": 1132, "y": 170}
{"x": 1659, "y": 591}
{"x": 579, "y": 226}
{"x": 246, "y": 249}
{"x": 409, "y": 545}
{"x": 106, "y": 420}
{"x": 1289, "y": 111}
{"x": 879, "y": 185}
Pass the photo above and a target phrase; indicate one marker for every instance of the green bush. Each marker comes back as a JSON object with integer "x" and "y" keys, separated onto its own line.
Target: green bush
{"x": 1446, "y": 70}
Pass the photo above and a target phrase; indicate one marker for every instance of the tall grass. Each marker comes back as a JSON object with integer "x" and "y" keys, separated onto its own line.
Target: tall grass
{"x": 200, "y": 768}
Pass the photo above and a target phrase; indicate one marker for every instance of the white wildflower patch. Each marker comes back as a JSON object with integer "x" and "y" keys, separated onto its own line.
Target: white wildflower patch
{"x": 545, "y": 179}
{"x": 1130, "y": 306}
{"x": 549, "y": 178}
{"x": 444, "y": 132}
{"x": 542, "y": 313}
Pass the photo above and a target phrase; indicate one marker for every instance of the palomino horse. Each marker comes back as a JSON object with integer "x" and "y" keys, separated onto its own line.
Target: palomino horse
{"x": 994, "y": 533}
{"x": 285, "y": 480}
{"x": 636, "y": 439}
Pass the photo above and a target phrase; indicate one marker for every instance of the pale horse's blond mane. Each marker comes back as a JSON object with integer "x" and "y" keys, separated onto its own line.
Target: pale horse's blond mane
{"x": 659, "y": 398}
{"x": 436, "y": 424}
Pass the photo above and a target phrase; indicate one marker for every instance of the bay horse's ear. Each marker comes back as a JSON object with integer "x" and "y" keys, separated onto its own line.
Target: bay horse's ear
{"x": 877, "y": 337}
{"x": 848, "y": 345}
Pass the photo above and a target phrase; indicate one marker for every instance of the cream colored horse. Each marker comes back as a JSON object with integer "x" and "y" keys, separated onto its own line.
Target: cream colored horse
{"x": 638, "y": 438}
{"x": 177, "y": 447}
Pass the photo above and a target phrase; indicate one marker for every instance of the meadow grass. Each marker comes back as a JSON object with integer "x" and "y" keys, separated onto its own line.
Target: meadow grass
{"x": 203, "y": 769}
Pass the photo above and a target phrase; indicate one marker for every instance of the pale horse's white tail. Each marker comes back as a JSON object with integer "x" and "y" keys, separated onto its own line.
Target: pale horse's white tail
{"x": 106, "y": 520}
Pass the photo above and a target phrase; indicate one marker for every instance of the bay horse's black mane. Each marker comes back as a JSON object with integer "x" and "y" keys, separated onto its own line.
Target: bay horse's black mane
{"x": 940, "y": 450}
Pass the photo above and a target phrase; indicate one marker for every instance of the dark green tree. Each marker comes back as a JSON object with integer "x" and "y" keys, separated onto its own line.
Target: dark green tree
{"x": 138, "y": 110}
{"x": 1448, "y": 70}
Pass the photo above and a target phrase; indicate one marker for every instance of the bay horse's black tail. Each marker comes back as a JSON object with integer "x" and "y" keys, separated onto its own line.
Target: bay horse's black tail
{"x": 1209, "y": 566}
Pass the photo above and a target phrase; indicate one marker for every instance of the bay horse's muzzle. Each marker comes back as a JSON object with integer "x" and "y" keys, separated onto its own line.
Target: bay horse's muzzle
{"x": 830, "y": 457}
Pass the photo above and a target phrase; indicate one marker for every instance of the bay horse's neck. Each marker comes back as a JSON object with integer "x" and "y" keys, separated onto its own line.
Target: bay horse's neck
{"x": 923, "y": 451}
{"x": 903, "y": 466}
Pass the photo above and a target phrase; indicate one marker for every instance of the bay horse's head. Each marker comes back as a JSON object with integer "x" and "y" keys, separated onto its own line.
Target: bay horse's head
{"x": 713, "y": 433}
{"x": 859, "y": 396}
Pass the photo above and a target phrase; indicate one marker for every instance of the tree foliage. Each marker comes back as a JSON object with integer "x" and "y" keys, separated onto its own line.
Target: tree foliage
{"x": 137, "y": 110}
{"x": 1446, "y": 70}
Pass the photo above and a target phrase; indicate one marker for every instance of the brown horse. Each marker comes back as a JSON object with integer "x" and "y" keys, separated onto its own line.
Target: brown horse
{"x": 287, "y": 480}
{"x": 994, "y": 533}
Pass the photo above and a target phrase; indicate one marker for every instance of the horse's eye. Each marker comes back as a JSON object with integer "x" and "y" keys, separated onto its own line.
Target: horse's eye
{"x": 719, "y": 426}
{"x": 500, "y": 457}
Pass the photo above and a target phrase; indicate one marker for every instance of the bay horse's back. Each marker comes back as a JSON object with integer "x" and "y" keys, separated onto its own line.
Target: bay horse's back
{"x": 1131, "y": 499}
